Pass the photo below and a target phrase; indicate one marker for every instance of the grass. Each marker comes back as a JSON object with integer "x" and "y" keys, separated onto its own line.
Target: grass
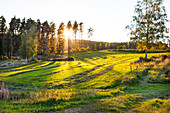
{"x": 120, "y": 89}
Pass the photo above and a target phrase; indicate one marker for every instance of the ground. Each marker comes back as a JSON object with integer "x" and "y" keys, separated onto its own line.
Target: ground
{"x": 97, "y": 81}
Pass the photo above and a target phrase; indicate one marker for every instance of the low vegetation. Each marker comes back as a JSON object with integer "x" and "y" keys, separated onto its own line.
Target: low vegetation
{"x": 97, "y": 81}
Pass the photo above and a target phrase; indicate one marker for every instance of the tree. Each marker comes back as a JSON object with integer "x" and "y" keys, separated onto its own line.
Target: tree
{"x": 23, "y": 26}
{"x": 81, "y": 31}
{"x": 75, "y": 29}
{"x": 12, "y": 32}
{"x": 45, "y": 37}
{"x": 53, "y": 39}
{"x": 39, "y": 36}
{"x": 148, "y": 24}
{"x": 61, "y": 40}
{"x": 3, "y": 30}
{"x": 17, "y": 36}
{"x": 69, "y": 27}
{"x": 90, "y": 33}
{"x": 28, "y": 48}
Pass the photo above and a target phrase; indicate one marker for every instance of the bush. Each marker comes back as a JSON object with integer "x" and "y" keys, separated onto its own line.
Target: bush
{"x": 34, "y": 59}
{"x": 73, "y": 50}
{"x": 141, "y": 58}
{"x": 3, "y": 58}
{"x": 163, "y": 57}
{"x": 167, "y": 49}
{"x": 88, "y": 48}
{"x": 82, "y": 49}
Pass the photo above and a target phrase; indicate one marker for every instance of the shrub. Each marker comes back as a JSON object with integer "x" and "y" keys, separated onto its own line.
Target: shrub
{"x": 1, "y": 57}
{"x": 82, "y": 49}
{"x": 88, "y": 48}
{"x": 4, "y": 58}
{"x": 141, "y": 58}
{"x": 163, "y": 57}
{"x": 34, "y": 59}
{"x": 167, "y": 49}
{"x": 73, "y": 50}
{"x": 4, "y": 92}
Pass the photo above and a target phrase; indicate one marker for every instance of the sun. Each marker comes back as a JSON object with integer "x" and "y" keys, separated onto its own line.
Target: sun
{"x": 68, "y": 33}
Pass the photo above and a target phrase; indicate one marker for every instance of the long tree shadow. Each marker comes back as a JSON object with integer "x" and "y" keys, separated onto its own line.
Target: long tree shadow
{"x": 29, "y": 67}
{"x": 37, "y": 69}
{"x": 109, "y": 68}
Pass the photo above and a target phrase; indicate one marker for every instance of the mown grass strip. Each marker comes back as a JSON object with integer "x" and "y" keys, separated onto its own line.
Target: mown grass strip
{"x": 32, "y": 68}
{"x": 60, "y": 70}
{"x": 85, "y": 78}
{"x": 24, "y": 67}
{"x": 36, "y": 69}
{"x": 78, "y": 75}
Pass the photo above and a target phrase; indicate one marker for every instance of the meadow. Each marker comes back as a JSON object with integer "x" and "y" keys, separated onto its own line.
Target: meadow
{"x": 96, "y": 81}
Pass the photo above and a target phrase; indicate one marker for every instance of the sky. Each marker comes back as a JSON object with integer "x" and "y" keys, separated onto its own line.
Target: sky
{"x": 108, "y": 18}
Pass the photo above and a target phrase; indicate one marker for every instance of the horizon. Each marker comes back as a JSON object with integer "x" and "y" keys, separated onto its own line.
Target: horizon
{"x": 106, "y": 17}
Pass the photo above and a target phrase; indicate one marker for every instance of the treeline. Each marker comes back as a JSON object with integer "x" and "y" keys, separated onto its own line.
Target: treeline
{"x": 28, "y": 38}
{"x": 35, "y": 37}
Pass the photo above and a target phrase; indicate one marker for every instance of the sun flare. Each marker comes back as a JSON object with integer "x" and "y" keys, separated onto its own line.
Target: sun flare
{"x": 68, "y": 33}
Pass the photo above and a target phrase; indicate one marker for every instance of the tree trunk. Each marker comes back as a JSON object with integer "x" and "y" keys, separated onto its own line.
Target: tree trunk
{"x": 146, "y": 54}
{"x": 68, "y": 46}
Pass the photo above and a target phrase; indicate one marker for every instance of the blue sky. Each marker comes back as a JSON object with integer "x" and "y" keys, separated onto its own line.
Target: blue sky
{"x": 108, "y": 18}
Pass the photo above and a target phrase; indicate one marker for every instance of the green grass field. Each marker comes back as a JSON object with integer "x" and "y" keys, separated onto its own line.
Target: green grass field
{"x": 97, "y": 81}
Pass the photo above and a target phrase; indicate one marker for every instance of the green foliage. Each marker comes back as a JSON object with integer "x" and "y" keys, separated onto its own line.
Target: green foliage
{"x": 28, "y": 48}
{"x": 149, "y": 23}
{"x": 148, "y": 16}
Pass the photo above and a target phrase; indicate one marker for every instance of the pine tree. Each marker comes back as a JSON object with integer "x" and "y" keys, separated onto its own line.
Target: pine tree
{"x": 75, "y": 29}
{"x": 69, "y": 27}
{"x": 53, "y": 39}
{"x": 3, "y": 30}
{"x": 39, "y": 36}
{"x": 90, "y": 33}
{"x": 61, "y": 40}
{"x": 81, "y": 32}
{"x": 45, "y": 37}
